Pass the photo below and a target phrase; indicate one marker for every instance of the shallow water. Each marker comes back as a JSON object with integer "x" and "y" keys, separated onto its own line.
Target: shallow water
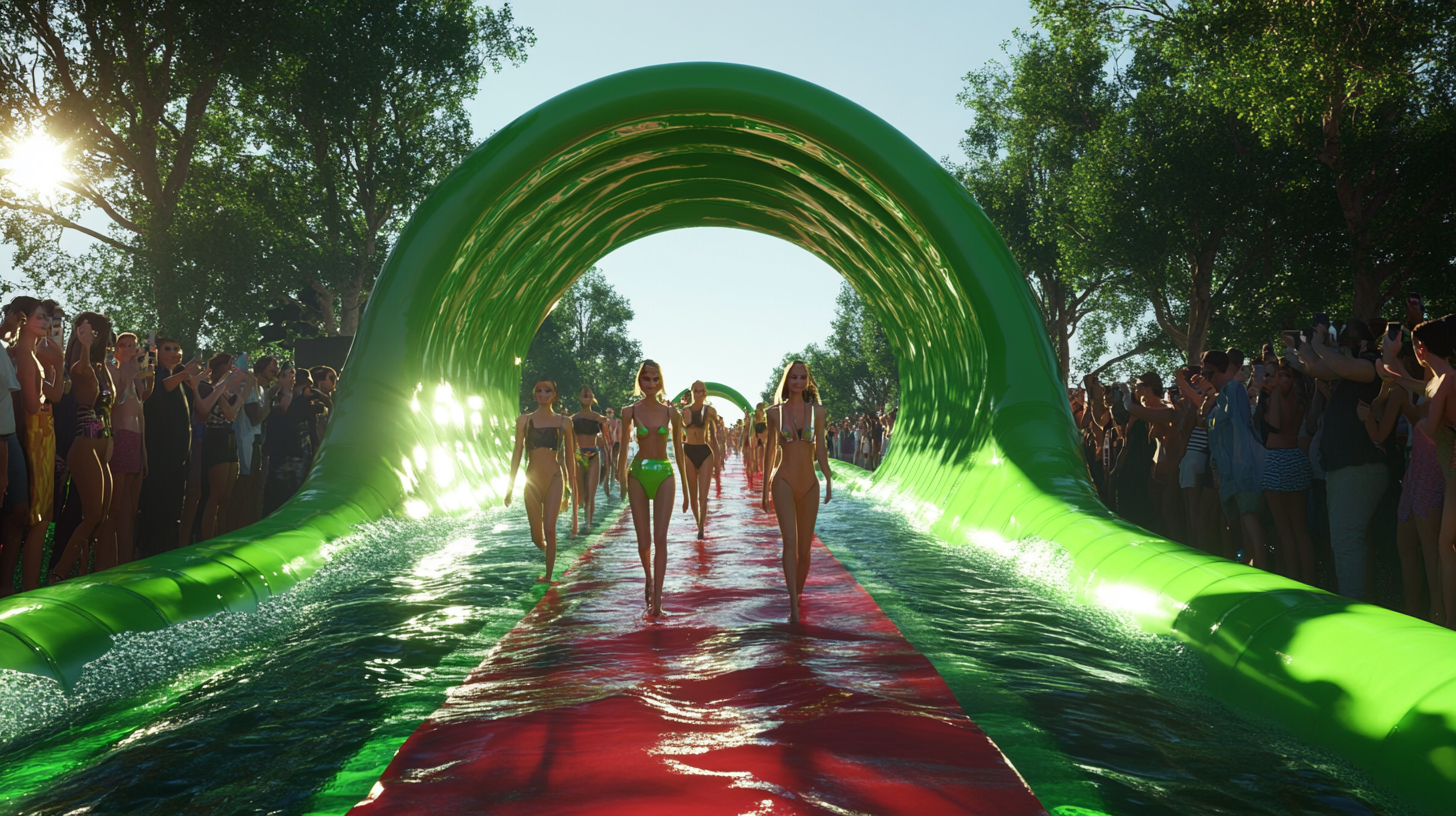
{"x": 297, "y": 708}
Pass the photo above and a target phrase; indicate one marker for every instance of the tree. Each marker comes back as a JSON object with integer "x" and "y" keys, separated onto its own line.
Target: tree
{"x": 854, "y": 368}
{"x": 129, "y": 87}
{"x": 1179, "y": 194}
{"x": 1033, "y": 123}
{"x": 1361, "y": 90}
{"x": 363, "y": 113}
{"x": 584, "y": 341}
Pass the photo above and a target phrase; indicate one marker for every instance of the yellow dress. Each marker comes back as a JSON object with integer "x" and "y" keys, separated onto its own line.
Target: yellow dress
{"x": 40, "y": 461}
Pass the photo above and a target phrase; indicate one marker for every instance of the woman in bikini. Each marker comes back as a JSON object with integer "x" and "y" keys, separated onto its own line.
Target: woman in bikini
{"x": 89, "y": 460}
{"x": 649, "y": 480}
{"x": 756, "y": 461}
{"x": 609, "y": 449}
{"x": 218, "y": 404}
{"x": 543, "y": 433}
{"x": 701, "y": 445}
{"x": 41, "y": 387}
{"x": 796, "y": 426}
{"x": 114, "y": 543}
{"x": 589, "y": 427}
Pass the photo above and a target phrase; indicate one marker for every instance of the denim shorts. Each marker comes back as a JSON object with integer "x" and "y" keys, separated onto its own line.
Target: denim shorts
{"x": 18, "y": 490}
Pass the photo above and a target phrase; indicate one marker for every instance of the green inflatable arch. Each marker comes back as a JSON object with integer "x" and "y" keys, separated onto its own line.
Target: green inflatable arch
{"x": 985, "y": 450}
{"x": 720, "y": 390}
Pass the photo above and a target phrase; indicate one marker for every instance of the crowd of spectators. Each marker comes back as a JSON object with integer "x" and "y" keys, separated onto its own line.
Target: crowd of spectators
{"x": 1312, "y": 461}
{"x": 863, "y": 439}
{"x": 113, "y": 448}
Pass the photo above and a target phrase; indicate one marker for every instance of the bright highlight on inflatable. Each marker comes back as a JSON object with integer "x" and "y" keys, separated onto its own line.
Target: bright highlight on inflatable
{"x": 985, "y": 449}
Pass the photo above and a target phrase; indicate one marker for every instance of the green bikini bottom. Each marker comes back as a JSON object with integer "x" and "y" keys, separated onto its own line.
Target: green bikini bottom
{"x": 650, "y": 473}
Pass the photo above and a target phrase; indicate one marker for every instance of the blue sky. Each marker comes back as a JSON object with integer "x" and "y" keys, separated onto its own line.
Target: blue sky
{"x": 709, "y": 301}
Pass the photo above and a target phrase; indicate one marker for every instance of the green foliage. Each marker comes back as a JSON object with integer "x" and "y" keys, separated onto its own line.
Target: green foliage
{"x": 854, "y": 368}
{"x": 584, "y": 341}
{"x": 360, "y": 116}
{"x": 1034, "y": 121}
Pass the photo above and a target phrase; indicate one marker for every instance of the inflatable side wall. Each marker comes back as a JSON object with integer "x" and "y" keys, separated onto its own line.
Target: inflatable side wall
{"x": 985, "y": 449}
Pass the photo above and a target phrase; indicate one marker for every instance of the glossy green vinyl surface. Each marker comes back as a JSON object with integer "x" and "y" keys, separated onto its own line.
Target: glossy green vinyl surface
{"x": 719, "y": 390}
{"x": 984, "y": 454}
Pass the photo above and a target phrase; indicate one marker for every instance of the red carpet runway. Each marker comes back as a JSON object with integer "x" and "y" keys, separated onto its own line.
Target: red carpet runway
{"x": 589, "y": 707}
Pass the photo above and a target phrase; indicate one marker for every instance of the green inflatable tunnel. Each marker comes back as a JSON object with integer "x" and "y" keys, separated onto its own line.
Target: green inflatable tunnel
{"x": 985, "y": 450}
{"x": 723, "y": 392}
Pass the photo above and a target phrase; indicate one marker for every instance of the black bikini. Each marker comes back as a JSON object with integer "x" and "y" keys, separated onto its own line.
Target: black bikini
{"x": 698, "y": 453}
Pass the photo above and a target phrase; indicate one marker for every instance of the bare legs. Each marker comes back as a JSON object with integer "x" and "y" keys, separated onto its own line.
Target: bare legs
{"x": 542, "y": 510}
{"x": 698, "y": 481}
{"x": 590, "y": 476}
{"x": 652, "y": 535}
{"x": 1297, "y": 551}
{"x": 220, "y": 479}
{"x": 120, "y": 516}
{"x": 92, "y": 478}
{"x": 796, "y": 522}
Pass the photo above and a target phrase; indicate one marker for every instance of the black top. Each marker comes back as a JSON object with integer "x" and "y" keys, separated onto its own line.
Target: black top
{"x": 542, "y": 437}
{"x": 1346, "y": 442}
{"x": 169, "y": 422}
{"x": 700, "y": 421}
{"x": 586, "y": 427}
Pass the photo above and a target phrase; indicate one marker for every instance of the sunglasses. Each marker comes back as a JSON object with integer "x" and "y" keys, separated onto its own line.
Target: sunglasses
{"x": 171, "y": 348}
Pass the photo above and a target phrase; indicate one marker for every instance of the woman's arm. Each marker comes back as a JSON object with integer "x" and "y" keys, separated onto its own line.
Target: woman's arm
{"x": 31, "y": 384}
{"x": 1273, "y": 415}
{"x": 770, "y": 451}
{"x": 569, "y": 430}
{"x": 821, "y": 452}
{"x": 677, "y": 437}
{"x": 516, "y": 456}
{"x": 624, "y": 427}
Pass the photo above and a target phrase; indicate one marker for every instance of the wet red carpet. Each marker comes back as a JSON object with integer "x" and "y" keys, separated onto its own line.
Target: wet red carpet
{"x": 721, "y": 707}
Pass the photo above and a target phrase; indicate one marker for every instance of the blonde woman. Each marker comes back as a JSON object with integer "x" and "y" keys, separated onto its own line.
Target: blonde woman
{"x": 544, "y": 433}
{"x": 796, "y": 429}
{"x": 649, "y": 480}
{"x": 589, "y": 427}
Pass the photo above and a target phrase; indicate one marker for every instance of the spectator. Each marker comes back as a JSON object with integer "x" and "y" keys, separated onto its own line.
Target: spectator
{"x": 218, "y": 404}
{"x": 89, "y": 458}
{"x": 325, "y": 380}
{"x": 38, "y": 367}
{"x": 13, "y": 478}
{"x": 292, "y": 437}
{"x": 128, "y": 454}
{"x": 167, "y": 417}
{"x": 1355, "y": 470}
{"x": 1237, "y": 455}
{"x": 1287, "y": 475}
{"x": 248, "y": 493}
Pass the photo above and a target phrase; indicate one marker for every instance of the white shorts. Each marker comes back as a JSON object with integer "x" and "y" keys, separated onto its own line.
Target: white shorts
{"x": 1192, "y": 468}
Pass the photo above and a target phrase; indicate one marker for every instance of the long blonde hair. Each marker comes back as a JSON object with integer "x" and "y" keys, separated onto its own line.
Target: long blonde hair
{"x": 811, "y": 391}
{"x": 637, "y": 380}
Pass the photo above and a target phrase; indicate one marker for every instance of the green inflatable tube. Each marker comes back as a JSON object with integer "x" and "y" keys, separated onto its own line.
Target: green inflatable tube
{"x": 985, "y": 451}
{"x": 719, "y": 390}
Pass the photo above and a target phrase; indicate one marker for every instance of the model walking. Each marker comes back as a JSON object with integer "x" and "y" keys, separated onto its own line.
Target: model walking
{"x": 89, "y": 460}
{"x": 796, "y": 426}
{"x": 588, "y": 426}
{"x": 701, "y": 446}
{"x": 543, "y": 433}
{"x": 649, "y": 481}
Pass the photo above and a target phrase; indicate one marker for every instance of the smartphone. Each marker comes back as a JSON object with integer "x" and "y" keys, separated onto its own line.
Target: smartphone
{"x": 1392, "y": 331}
{"x": 1259, "y": 372}
{"x": 57, "y": 326}
{"x": 241, "y": 361}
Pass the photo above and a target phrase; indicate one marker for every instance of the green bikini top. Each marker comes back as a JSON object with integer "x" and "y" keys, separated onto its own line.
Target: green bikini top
{"x": 797, "y": 434}
{"x": 643, "y": 431}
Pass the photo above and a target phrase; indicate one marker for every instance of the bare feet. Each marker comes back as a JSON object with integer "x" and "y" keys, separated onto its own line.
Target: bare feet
{"x": 542, "y": 579}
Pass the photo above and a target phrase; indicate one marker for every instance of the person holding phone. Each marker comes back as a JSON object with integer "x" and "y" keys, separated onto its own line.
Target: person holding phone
{"x": 167, "y": 418}
{"x": 218, "y": 405}
{"x": 1355, "y": 467}
{"x": 89, "y": 458}
{"x": 115, "y": 538}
